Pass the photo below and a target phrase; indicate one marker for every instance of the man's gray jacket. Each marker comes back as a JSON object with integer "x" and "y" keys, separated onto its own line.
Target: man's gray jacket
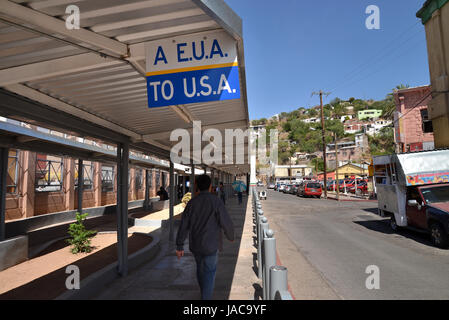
{"x": 203, "y": 219}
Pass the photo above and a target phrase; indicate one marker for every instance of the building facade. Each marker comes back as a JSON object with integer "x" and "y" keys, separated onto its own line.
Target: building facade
{"x": 413, "y": 127}
{"x": 348, "y": 150}
{"x": 369, "y": 114}
{"x": 40, "y": 183}
{"x": 435, "y": 16}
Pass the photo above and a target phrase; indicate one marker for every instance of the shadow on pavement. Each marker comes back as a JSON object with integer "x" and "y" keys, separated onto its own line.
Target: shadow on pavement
{"x": 228, "y": 258}
{"x": 384, "y": 227}
{"x": 258, "y": 291}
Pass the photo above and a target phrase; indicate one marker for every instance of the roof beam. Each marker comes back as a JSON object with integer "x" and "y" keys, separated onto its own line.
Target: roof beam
{"x": 19, "y": 14}
{"x": 62, "y": 106}
{"x": 53, "y": 68}
{"x": 219, "y": 126}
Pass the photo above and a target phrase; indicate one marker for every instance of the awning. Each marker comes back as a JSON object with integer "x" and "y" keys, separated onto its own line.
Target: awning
{"x": 97, "y": 74}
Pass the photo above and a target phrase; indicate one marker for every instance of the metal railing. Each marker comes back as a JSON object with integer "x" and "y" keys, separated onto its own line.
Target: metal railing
{"x": 274, "y": 277}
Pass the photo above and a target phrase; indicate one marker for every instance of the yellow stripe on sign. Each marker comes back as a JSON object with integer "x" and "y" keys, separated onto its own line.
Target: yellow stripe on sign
{"x": 212, "y": 66}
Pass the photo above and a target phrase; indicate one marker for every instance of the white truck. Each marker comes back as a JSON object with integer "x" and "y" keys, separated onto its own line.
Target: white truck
{"x": 413, "y": 190}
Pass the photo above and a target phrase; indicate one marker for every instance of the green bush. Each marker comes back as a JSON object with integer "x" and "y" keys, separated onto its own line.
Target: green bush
{"x": 79, "y": 236}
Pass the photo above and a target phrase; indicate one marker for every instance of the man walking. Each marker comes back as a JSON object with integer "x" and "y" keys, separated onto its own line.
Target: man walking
{"x": 203, "y": 219}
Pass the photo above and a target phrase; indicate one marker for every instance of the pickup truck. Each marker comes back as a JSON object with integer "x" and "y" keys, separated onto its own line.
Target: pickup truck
{"x": 413, "y": 190}
{"x": 427, "y": 208}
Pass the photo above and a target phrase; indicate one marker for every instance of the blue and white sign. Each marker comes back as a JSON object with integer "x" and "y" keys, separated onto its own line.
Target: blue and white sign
{"x": 192, "y": 69}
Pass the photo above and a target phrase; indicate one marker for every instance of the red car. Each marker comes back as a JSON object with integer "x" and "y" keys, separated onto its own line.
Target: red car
{"x": 346, "y": 183}
{"x": 362, "y": 187}
{"x": 350, "y": 185}
{"x": 310, "y": 189}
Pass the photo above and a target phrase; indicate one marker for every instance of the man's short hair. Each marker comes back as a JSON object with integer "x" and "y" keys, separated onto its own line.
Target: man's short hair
{"x": 203, "y": 182}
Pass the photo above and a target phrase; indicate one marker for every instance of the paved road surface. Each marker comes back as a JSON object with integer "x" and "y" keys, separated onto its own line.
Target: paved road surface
{"x": 340, "y": 239}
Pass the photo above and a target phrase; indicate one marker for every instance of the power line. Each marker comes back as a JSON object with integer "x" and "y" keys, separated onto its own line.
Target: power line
{"x": 385, "y": 51}
{"x": 380, "y": 68}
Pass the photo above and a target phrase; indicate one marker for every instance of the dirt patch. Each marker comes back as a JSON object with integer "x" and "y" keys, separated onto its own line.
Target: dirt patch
{"x": 44, "y": 277}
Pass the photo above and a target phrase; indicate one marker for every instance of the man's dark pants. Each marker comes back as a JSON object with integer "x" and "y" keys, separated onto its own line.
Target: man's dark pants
{"x": 206, "y": 266}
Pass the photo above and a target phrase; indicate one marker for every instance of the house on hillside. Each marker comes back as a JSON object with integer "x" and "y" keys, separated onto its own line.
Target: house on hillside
{"x": 374, "y": 127}
{"x": 348, "y": 150}
{"x": 312, "y": 120}
{"x": 369, "y": 114}
{"x": 353, "y": 126}
{"x": 346, "y": 117}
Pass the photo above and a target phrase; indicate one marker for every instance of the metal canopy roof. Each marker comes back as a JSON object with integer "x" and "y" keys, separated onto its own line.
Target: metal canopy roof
{"x": 16, "y": 136}
{"x": 97, "y": 73}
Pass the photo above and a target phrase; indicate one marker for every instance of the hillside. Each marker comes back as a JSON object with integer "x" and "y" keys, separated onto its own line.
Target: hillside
{"x": 300, "y": 131}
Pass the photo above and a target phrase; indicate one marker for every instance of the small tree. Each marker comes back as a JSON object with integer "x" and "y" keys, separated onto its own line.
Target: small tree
{"x": 79, "y": 236}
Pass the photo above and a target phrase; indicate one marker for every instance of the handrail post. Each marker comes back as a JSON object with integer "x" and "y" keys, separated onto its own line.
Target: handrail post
{"x": 263, "y": 226}
{"x": 278, "y": 280}
{"x": 269, "y": 248}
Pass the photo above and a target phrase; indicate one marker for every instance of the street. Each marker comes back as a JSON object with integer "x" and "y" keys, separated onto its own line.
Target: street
{"x": 339, "y": 240}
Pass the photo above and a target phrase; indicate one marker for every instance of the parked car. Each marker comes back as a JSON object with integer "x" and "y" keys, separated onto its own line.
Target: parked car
{"x": 281, "y": 188}
{"x": 287, "y": 188}
{"x": 362, "y": 187}
{"x": 271, "y": 186}
{"x": 310, "y": 189}
{"x": 294, "y": 189}
{"x": 332, "y": 185}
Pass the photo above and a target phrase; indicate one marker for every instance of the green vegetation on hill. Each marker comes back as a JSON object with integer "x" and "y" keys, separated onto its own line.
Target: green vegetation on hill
{"x": 295, "y": 135}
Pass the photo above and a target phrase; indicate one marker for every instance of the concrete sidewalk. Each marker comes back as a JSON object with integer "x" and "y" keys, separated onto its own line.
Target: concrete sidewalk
{"x": 348, "y": 197}
{"x": 167, "y": 278}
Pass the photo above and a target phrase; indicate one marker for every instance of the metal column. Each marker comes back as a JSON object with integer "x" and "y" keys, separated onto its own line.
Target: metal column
{"x": 3, "y": 173}
{"x": 184, "y": 179}
{"x": 80, "y": 185}
{"x": 122, "y": 207}
{"x": 171, "y": 201}
{"x": 192, "y": 180}
{"x": 147, "y": 190}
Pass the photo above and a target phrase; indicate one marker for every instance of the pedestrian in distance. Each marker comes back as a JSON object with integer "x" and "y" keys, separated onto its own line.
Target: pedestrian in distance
{"x": 240, "y": 196}
{"x": 203, "y": 219}
{"x": 221, "y": 193}
{"x": 163, "y": 195}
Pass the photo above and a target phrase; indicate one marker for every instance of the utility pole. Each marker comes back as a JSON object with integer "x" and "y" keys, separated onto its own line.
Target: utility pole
{"x": 337, "y": 184}
{"x": 324, "y": 137}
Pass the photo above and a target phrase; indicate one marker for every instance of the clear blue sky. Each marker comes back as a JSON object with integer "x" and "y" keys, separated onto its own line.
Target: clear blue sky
{"x": 295, "y": 47}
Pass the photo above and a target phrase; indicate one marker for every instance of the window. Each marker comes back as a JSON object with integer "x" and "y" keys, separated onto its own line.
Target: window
{"x": 139, "y": 181}
{"x": 150, "y": 178}
{"x": 107, "y": 178}
{"x": 87, "y": 175}
{"x": 427, "y": 126}
{"x": 11, "y": 178}
{"x": 158, "y": 178}
{"x": 49, "y": 173}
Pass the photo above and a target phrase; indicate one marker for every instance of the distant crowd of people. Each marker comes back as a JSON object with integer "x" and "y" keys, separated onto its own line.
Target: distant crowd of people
{"x": 219, "y": 191}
